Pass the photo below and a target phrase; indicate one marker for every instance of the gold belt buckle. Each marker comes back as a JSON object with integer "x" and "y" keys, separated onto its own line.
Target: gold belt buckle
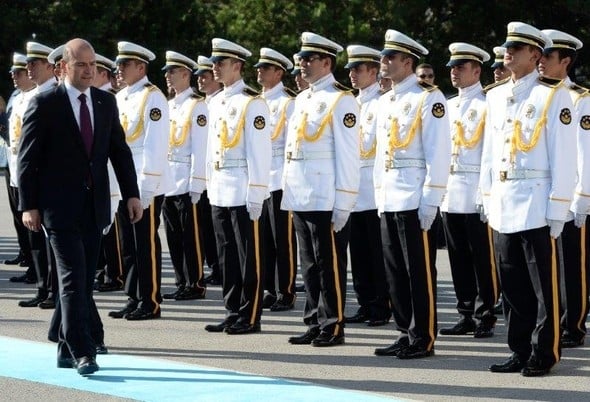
{"x": 503, "y": 175}
{"x": 216, "y": 165}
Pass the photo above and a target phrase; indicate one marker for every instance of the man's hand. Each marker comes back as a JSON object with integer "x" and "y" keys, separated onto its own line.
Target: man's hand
{"x": 254, "y": 210}
{"x": 339, "y": 219}
{"x": 555, "y": 227}
{"x": 135, "y": 209}
{"x": 482, "y": 215}
{"x": 580, "y": 220}
{"x": 195, "y": 197}
{"x": 426, "y": 215}
{"x": 32, "y": 220}
{"x": 146, "y": 199}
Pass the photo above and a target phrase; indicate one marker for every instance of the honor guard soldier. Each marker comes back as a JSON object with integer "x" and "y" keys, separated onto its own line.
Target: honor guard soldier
{"x": 296, "y": 73}
{"x": 186, "y": 156}
{"x": 500, "y": 72}
{"x": 410, "y": 173}
{"x": 320, "y": 185}
{"x": 207, "y": 85}
{"x": 143, "y": 112}
{"x": 527, "y": 181}
{"x": 15, "y": 110}
{"x": 280, "y": 246}
{"x": 238, "y": 173}
{"x": 468, "y": 242}
{"x": 557, "y": 61}
{"x": 41, "y": 72}
{"x": 366, "y": 250}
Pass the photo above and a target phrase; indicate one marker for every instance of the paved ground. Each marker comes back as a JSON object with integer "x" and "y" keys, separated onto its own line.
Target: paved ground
{"x": 457, "y": 372}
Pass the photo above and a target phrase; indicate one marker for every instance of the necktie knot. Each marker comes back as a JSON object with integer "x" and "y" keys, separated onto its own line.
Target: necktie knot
{"x": 82, "y": 98}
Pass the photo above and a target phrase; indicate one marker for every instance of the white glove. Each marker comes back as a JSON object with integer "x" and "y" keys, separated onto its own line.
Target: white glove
{"x": 482, "y": 214}
{"x": 146, "y": 199}
{"x": 580, "y": 220}
{"x": 555, "y": 227}
{"x": 426, "y": 215}
{"x": 339, "y": 219}
{"x": 255, "y": 210}
{"x": 195, "y": 197}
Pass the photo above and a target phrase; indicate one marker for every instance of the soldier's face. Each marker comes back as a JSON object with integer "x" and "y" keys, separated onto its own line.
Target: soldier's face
{"x": 38, "y": 69}
{"x": 426, "y": 75}
{"x": 21, "y": 79}
{"x": 130, "y": 71}
{"x": 551, "y": 66}
{"x": 175, "y": 76}
{"x": 362, "y": 76}
{"x": 312, "y": 67}
{"x": 205, "y": 81}
{"x": 501, "y": 73}
{"x": 223, "y": 69}
{"x": 393, "y": 66}
{"x": 520, "y": 57}
{"x": 465, "y": 75}
{"x": 268, "y": 76}
{"x": 301, "y": 83}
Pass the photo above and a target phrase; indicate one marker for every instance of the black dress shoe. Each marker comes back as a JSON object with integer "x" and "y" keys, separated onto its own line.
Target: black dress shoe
{"x": 377, "y": 322}
{"x": 47, "y": 304}
{"x": 306, "y": 338}
{"x": 534, "y": 368}
{"x": 357, "y": 318}
{"x": 34, "y": 302}
{"x": 513, "y": 365}
{"x": 393, "y": 350}
{"x": 110, "y": 286}
{"x": 325, "y": 339}
{"x": 283, "y": 305}
{"x": 465, "y": 326}
{"x": 140, "y": 314}
{"x": 86, "y": 365}
{"x": 414, "y": 352}
{"x": 25, "y": 263}
{"x": 268, "y": 300}
{"x": 191, "y": 294}
{"x": 172, "y": 295}
{"x": 569, "y": 342}
{"x": 101, "y": 349}
{"x": 213, "y": 279}
{"x": 484, "y": 330}
{"x": 499, "y": 307}
{"x": 24, "y": 278}
{"x": 123, "y": 312}
{"x": 64, "y": 362}
{"x": 242, "y": 327}
{"x": 15, "y": 261}
{"x": 228, "y": 322}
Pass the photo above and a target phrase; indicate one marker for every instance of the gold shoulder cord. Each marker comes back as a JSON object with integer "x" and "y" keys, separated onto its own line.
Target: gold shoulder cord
{"x": 518, "y": 143}
{"x": 175, "y": 141}
{"x": 302, "y": 131}
{"x": 18, "y": 127}
{"x": 394, "y": 140}
{"x": 459, "y": 139}
{"x": 281, "y": 123}
{"x": 227, "y": 144}
{"x": 139, "y": 129}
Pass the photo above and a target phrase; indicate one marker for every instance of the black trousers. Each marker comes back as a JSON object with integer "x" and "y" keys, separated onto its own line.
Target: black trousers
{"x": 184, "y": 240}
{"x": 530, "y": 283}
{"x": 22, "y": 236}
{"x": 96, "y": 327}
{"x": 239, "y": 251}
{"x": 142, "y": 252}
{"x": 40, "y": 256}
{"x": 208, "y": 234}
{"x": 323, "y": 258}
{"x": 573, "y": 245}
{"x": 76, "y": 252}
{"x": 280, "y": 248}
{"x": 473, "y": 267}
{"x": 367, "y": 265}
{"x": 110, "y": 260}
{"x": 411, "y": 275}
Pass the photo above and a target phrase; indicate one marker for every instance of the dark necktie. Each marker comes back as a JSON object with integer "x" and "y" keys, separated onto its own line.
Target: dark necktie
{"x": 85, "y": 124}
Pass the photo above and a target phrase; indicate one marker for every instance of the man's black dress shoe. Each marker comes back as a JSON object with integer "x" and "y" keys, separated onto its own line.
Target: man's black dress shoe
{"x": 123, "y": 312}
{"x": 283, "y": 305}
{"x": 34, "y": 302}
{"x": 110, "y": 286}
{"x": 213, "y": 280}
{"x": 499, "y": 307}
{"x": 140, "y": 314}
{"x": 377, "y": 322}
{"x": 101, "y": 349}
{"x": 534, "y": 368}
{"x": 172, "y": 295}
{"x": 484, "y": 330}
{"x": 414, "y": 352}
{"x": 325, "y": 339}
{"x": 268, "y": 300}
{"x": 47, "y": 304}
{"x": 242, "y": 327}
{"x": 65, "y": 362}
{"x": 465, "y": 326}
{"x": 306, "y": 338}
{"x": 228, "y": 322}
{"x": 359, "y": 317}
{"x": 24, "y": 278}
{"x": 514, "y": 364}
{"x": 568, "y": 342}
{"x": 15, "y": 261}
{"x": 393, "y": 350}
{"x": 86, "y": 365}
{"x": 191, "y": 294}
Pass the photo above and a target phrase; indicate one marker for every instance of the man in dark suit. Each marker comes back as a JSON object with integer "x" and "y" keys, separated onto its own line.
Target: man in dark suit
{"x": 68, "y": 135}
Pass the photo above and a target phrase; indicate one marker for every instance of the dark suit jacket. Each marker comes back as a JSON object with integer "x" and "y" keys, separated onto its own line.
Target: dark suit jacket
{"x": 54, "y": 168}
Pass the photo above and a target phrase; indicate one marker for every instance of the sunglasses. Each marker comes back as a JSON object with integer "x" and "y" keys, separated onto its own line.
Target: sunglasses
{"x": 310, "y": 59}
{"x": 422, "y": 76}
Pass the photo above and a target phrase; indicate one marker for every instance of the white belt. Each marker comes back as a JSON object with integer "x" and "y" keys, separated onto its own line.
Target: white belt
{"x": 179, "y": 158}
{"x": 367, "y": 162}
{"x": 405, "y": 163}
{"x": 462, "y": 168}
{"x": 523, "y": 174}
{"x": 278, "y": 152}
{"x": 300, "y": 155}
{"x": 230, "y": 163}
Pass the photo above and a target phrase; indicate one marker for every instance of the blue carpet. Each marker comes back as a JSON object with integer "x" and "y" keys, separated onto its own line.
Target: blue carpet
{"x": 159, "y": 380}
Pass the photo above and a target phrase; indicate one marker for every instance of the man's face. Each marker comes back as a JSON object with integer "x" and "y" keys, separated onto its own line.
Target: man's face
{"x": 362, "y": 76}
{"x": 385, "y": 83}
{"x": 175, "y": 77}
{"x": 425, "y": 74}
{"x": 205, "y": 82}
{"x": 268, "y": 75}
{"x": 80, "y": 70}
{"x": 393, "y": 66}
{"x": 313, "y": 67}
{"x": 501, "y": 73}
{"x": 464, "y": 75}
{"x": 39, "y": 70}
{"x": 520, "y": 57}
{"x": 20, "y": 79}
{"x": 300, "y": 82}
{"x": 130, "y": 71}
{"x": 551, "y": 66}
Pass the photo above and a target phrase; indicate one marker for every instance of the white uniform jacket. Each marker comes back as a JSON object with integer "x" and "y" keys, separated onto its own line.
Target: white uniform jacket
{"x": 533, "y": 180}
{"x": 413, "y": 147}
{"x": 322, "y": 164}
{"x": 143, "y": 111}
{"x": 280, "y": 101}
{"x": 187, "y": 150}
{"x": 467, "y": 119}
{"x": 581, "y": 98}
{"x": 239, "y": 148}
{"x": 368, "y": 100}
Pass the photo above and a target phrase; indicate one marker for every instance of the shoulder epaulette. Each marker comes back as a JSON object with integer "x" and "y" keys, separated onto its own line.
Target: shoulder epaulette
{"x": 289, "y": 92}
{"x": 550, "y": 82}
{"x": 426, "y": 86}
{"x": 250, "y": 92}
{"x": 196, "y": 96}
{"x": 495, "y": 84}
{"x": 452, "y": 96}
{"x": 151, "y": 87}
{"x": 579, "y": 89}
{"x": 112, "y": 90}
{"x": 341, "y": 87}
